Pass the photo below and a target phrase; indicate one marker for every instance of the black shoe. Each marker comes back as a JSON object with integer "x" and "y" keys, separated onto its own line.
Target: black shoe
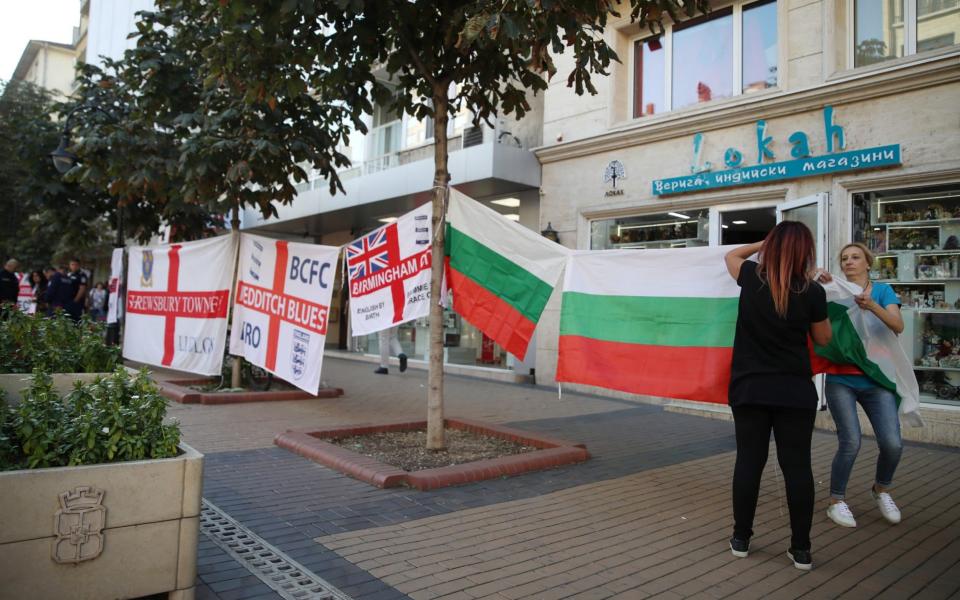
{"x": 801, "y": 559}
{"x": 403, "y": 362}
{"x": 381, "y": 371}
{"x": 740, "y": 548}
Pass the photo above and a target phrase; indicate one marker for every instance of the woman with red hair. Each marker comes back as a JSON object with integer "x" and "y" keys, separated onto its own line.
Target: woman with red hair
{"x": 771, "y": 385}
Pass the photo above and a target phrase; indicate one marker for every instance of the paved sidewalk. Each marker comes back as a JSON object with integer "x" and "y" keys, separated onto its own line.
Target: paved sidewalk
{"x": 648, "y": 516}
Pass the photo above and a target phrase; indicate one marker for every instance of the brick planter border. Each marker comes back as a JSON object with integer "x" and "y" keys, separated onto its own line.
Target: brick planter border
{"x": 310, "y": 443}
{"x": 178, "y": 391}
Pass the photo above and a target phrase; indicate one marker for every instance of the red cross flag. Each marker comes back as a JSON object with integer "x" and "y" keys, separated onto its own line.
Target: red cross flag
{"x": 25, "y": 300}
{"x": 176, "y": 304}
{"x": 389, "y": 273}
{"x": 281, "y": 307}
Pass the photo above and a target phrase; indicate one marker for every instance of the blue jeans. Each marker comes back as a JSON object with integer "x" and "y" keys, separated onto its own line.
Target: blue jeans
{"x": 880, "y": 405}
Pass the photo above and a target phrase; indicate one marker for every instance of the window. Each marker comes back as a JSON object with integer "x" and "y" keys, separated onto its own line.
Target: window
{"x": 914, "y": 234}
{"x": 700, "y": 60}
{"x": 886, "y": 29}
{"x": 681, "y": 229}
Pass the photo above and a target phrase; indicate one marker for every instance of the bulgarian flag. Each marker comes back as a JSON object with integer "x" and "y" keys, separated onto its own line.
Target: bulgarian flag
{"x": 501, "y": 274}
{"x": 862, "y": 339}
{"x": 662, "y": 323}
{"x": 654, "y": 322}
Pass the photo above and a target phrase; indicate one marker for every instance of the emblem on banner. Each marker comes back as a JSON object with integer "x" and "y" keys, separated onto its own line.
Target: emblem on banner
{"x": 298, "y": 353}
{"x": 255, "y": 260}
{"x": 146, "y": 269}
{"x": 421, "y": 229}
{"x": 79, "y": 525}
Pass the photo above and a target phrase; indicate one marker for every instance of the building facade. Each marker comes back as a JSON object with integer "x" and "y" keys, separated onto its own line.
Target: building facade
{"x": 49, "y": 65}
{"x": 844, "y": 114}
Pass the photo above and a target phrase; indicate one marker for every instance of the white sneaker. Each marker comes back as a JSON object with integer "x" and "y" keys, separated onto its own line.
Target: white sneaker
{"x": 841, "y": 514}
{"x": 888, "y": 508}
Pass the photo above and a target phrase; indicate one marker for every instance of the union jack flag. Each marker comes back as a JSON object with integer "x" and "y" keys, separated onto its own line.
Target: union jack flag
{"x": 369, "y": 254}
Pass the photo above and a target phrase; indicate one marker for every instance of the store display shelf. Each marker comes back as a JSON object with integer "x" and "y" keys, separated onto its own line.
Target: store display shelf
{"x": 949, "y": 369}
{"x": 931, "y": 281}
{"x": 942, "y": 311}
{"x": 924, "y": 222}
{"x": 916, "y": 252}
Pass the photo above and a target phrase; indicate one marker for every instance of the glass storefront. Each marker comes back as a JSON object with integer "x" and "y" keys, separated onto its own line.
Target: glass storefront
{"x": 464, "y": 344}
{"x": 915, "y": 234}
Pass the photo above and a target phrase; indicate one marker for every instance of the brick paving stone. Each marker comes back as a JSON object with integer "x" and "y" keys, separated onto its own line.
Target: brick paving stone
{"x": 649, "y": 515}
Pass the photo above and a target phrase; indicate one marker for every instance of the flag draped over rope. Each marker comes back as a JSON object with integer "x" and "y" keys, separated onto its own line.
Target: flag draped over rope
{"x": 501, "y": 274}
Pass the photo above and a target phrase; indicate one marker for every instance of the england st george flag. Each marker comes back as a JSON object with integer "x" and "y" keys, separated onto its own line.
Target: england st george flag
{"x": 389, "y": 273}
{"x": 176, "y": 304}
{"x": 282, "y": 307}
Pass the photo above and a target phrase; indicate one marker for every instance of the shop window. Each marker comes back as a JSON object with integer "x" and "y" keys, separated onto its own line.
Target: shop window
{"x": 915, "y": 234}
{"x": 698, "y": 61}
{"x": 888, "y": 29}
{"x": 681, "y": 229}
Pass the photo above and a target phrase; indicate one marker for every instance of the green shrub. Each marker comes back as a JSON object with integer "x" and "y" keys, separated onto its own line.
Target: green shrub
{"x": 54, "y": 345}
{"x": 116, "y": 418}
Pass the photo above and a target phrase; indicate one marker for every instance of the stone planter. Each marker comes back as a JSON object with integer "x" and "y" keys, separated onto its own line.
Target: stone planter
{"x": 118, "y": 530}
{"x": 14, "y": 383}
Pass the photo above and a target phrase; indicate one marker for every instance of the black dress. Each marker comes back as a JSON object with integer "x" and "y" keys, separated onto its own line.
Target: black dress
{"x": 771, "y": 360}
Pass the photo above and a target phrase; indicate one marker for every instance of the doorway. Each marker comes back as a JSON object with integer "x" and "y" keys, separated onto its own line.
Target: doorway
{"x": 745, "y": 226}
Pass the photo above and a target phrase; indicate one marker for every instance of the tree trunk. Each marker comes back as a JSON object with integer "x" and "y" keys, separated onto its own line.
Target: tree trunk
{"x": 235, "y": 373}
{"x": 435, "y": 439}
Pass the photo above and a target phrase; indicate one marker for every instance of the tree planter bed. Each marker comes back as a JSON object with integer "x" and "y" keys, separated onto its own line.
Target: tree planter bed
{"x": 178, "y": 390}
{"x": 116, "y": 530}
{"x": 310, "y": 444}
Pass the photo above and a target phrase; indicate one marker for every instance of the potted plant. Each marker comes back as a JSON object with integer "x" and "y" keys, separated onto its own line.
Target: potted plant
{"x": 66, "y": 350}
{"x": 98, "y": 496}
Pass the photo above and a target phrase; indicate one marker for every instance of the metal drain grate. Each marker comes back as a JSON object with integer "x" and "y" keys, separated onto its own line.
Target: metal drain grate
{"x": 283, "y": 574}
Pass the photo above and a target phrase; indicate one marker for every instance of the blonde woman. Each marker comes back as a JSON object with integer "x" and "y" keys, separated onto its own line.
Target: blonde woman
{"x": 844, "y": 391}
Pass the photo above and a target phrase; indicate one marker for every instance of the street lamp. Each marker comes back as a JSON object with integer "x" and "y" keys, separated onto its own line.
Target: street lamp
{"x": 63, "y": 159}
{"x": 550, "y": 233}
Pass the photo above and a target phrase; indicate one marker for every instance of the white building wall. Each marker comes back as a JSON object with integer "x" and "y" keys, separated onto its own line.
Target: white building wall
{"x": 53, "y": 69}
{"x": 110, "y": 23}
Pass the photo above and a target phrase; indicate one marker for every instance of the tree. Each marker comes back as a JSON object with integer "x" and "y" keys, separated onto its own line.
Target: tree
{"x": 45, "y": 218}
{"x": 439, "y": 55}
{"x": 177, "y": 143}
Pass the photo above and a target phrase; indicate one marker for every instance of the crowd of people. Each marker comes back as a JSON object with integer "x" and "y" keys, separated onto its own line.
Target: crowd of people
{"x": 66, "y": 288}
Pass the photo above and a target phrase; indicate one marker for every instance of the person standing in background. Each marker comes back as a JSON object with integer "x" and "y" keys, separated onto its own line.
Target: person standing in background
{"x": 97, "y": 302}
{"x": 390, "y": 345}
{"x": 39, "y": 283}
{"x": 77, "y": 281}
{"x": 9, "y": 286}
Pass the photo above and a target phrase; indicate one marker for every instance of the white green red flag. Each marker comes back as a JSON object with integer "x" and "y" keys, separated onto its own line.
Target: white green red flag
{"x": 388, "y": 273}
{"x": 176, "y": 304}
{"x": 654, "y": 322}
{"x": 501, "y": 274}
{"x": 282, "y": 306}
{"x": 662, "y": 323}
{"x": 862, "y": 339}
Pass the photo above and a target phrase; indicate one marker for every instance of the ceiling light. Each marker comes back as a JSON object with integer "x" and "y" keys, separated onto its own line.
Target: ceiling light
{"x": 679, "y": 215}
{"x": 387, "y": 219}
{"x": 508, "y": 202}
{"x": 513, "y": 217}
{"x": 725, "y": 226}
{"x": 739, "y": 222}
